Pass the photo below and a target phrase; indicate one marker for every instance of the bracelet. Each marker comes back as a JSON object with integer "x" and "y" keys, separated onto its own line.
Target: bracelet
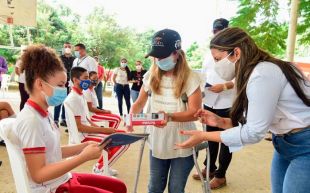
{"x": 224, "y": 87}
{"x": 169, "y": 117}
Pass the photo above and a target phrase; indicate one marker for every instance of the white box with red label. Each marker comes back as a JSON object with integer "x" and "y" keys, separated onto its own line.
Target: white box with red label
{"x": 144, "y": 119}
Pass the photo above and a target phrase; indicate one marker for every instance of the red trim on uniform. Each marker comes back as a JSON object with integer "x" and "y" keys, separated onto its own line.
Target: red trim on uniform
{"x": 33, "y": 150}
{"x": 36, "y": 107}
{"x": 78, "y": 91}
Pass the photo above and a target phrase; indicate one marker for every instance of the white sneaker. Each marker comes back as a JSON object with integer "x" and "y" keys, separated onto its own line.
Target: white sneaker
{"x": 112, "y": 172}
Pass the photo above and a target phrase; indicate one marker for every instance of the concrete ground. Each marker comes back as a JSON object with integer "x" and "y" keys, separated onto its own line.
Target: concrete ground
{"x": 248, "y": 172}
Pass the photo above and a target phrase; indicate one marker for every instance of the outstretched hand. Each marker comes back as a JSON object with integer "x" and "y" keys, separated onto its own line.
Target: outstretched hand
{"x": 196, "y": 137}
{"x": 209, "y": 118}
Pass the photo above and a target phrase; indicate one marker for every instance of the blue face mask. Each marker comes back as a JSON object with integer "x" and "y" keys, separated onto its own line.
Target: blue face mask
{"x": 166, "y": 64}
{"x": 58, "y": 97}
{"x": 77, "y": 54}
{"x": 84, "y": 84}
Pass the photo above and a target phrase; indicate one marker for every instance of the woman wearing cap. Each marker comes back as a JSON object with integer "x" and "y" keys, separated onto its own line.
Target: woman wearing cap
{"x": 168, "y": 80}
{"x": 121, "y": 77}
{"x": 271, "y": 94}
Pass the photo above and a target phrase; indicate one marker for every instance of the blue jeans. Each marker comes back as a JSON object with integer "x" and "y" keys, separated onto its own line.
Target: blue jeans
{"x": 57, "y": 113}
{"x": 179, "y": 171}
{"x": 290, "y": 170}
{"x": 134, "y": 95}
{"x": 98, "y": 90}
{"x": 123, "y": 91}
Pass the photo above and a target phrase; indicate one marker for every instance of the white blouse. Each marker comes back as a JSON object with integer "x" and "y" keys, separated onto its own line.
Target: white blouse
{"x": 273, "y": 105}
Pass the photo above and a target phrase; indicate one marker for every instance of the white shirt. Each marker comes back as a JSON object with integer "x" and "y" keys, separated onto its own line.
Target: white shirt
{"x": 121, "y": 76}
{"x": 21, "y": 77}
{"x": 221, "y": 100}
{"x": 273, "y": 105}
{"x": 78, "y": 104}
{"x": 162, "y": 140}
{"x": 86, "y": 62}
{"x": 91, "y": 97}
{"x": 37, "y": 133}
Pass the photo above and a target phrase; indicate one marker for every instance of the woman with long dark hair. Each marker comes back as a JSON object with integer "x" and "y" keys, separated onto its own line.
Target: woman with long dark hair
{"x": 272, "y": 94}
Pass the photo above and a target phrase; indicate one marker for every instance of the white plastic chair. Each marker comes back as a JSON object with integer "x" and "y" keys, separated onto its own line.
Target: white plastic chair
{"x": 74, "y": 137}
{"x": 16, "y": 156}
{"x": 5, "y": 84}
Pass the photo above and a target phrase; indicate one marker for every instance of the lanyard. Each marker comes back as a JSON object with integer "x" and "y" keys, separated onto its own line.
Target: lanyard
{"x": 80, "y": 61}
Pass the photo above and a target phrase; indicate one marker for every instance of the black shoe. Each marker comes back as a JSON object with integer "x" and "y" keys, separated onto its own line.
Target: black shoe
{"x": 0, "y": 163}
{"x": 2, "y": 143}
{"x": 66, "y": 131}
{"x": 56, "y": 123}
{"x": 63, "y": 123}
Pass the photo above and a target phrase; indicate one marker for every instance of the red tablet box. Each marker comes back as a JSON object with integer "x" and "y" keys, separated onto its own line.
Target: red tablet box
{"x": 144, "y": 119}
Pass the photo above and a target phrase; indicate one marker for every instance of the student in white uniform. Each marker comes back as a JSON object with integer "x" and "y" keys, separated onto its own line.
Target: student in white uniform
{"x": 93, "y": 105}
{"x": 168, "y": 80}
{"x": 39, "y": 137}
{"x": 83, "y": 60}
{"x": 271, "y": 95}
{"x": 88, "y": 130}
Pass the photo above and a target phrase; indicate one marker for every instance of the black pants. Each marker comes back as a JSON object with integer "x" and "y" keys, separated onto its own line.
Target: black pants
{"x": 224, "y": 155}
{"x": 122, "y": 90}
{"x": 23, "y": 95}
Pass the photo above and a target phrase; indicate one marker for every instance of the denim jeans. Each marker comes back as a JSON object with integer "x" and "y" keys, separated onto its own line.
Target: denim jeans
{"x": 179, "y": 171}
{"x": 134, "y": 95}
{"x": 123, "y": 91}
{"x": 57, "y": 112}
{"x": 290, "y": 169}
{"x": 98, "y": 90}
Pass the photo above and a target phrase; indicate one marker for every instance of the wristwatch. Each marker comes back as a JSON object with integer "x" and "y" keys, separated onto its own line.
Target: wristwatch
{"x": 169, "y": 117}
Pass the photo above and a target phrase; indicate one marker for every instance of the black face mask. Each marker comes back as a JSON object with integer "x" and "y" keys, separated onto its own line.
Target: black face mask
{"x": 94, "y": 82}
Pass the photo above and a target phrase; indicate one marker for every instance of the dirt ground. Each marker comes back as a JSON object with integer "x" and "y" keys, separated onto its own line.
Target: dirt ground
{"x": 248, "y": 172}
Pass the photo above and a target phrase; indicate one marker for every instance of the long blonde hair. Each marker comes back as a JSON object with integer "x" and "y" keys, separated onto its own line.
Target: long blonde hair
{"x": 180, "y": 75}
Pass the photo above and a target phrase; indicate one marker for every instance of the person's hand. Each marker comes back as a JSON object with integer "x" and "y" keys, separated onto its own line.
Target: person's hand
{"x": 164, "y": 122}
{"x": 108, "y": 130}
{"x": 107, "y": 111}
{"x": 217, "y": 88}
{"x": 129, "y": 129}
{"x": 196, "y": 137}
{"x": 91, "y": 151}
{"x": 209, "y": 118}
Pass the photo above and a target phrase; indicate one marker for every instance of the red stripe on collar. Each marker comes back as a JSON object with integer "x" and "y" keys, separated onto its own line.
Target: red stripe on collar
{"x": 36, "y": 107}
{"x": 78, "y": 91}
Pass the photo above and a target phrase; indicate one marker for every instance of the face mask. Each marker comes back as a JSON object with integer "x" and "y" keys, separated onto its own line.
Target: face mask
{"x": 58, "y": 97}
{"x": 67, "y": 51}
{"x": 166, "y": 64}
{"x": 94, "y": 82}
{"x": 139, "y": 67}
{"x": 123, "y": 65}
{"x": 77, "y": 54}
{"x": 225, "y": 69}
{"x": 84, "y": 84}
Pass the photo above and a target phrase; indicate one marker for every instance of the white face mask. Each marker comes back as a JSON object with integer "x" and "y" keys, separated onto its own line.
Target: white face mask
{"x": 225, "y": 68}
{"x": 138, "y": 67}
{"x": 67, "y": 50}
{"x": 123, "y": 65}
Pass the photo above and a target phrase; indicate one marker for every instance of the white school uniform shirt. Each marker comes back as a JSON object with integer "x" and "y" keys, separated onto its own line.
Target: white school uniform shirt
{"x": 162, "y": 140}
{"x": 91, "y": 97}
{"x": 121, "y": 76}
{"x": 78, "y": 104}
{"x": 273, "y": 105}
{"x": 222, "y": 100}
{"x": 37, "y": 133}
{"x": 86, "y": 62}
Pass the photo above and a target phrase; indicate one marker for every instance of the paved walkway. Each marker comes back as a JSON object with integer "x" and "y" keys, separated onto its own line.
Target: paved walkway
{"x": 248, "y": 172}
